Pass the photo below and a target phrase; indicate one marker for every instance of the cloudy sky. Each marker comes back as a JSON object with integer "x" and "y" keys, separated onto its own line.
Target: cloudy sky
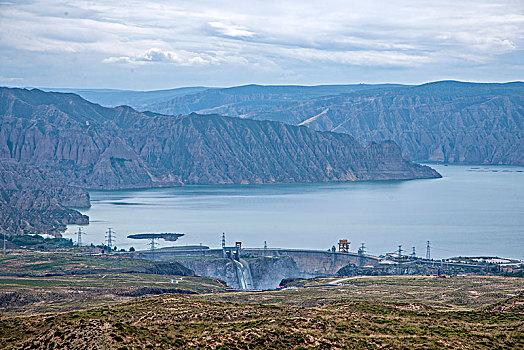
{"x": 156, "y": 44}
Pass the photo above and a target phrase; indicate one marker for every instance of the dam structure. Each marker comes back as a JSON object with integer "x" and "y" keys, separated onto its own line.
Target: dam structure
{"x": 257, "y": 268}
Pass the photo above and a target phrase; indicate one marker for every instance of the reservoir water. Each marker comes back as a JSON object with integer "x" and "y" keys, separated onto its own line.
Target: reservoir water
{"x": 472, "y": 210}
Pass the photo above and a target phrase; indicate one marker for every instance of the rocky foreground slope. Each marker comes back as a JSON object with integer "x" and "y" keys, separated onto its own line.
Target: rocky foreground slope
{"x": 80, "y": 144}
{"x": 446, "y": 121}
{"x": 367, "y": 313}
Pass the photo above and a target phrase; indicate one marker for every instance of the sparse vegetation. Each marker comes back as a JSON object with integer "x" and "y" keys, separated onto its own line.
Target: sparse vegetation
{"x": 75, "y": 262}
{"x": 361, "y": 312}
{"x": 42, "y": 282}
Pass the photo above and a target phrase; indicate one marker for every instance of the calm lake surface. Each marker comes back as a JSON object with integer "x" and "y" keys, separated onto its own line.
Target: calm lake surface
{"x": 472, "y": 210}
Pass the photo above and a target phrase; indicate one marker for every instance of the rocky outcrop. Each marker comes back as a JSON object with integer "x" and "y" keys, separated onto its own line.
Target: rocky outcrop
{"x": 447, "y": 121}
{"x": 222, "y": 269}
{"x": 31, "y": 201}
{"x": 169, "y": 268}
{"x": 268, "y": 271}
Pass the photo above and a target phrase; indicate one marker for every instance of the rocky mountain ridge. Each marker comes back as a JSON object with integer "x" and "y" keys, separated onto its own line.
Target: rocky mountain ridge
{"x": 97, "y": 147}
{"x": 266, "y": 95}
{"x": 448, "y": 121}
{"x": 241, "y": 101}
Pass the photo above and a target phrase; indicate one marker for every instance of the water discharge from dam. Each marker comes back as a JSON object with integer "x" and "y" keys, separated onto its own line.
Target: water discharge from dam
{"x": 244, "y": 275}
{"x": 472, "y": 210}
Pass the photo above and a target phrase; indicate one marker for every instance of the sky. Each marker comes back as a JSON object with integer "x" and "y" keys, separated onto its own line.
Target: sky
{"x": 157, "y": 44}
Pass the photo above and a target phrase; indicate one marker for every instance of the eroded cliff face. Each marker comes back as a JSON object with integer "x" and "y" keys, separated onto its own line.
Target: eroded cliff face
{"x": 445, "y": 121}
{"x": 486, "y": 129}
{"x": 111, "y": 148}
{"x": 222, "y": 268}
{"x": 31, "y": 201}
{"x": 268, "y": 271}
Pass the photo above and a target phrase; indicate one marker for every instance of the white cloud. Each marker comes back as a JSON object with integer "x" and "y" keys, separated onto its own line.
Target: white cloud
{"x": 181, "y": 57}
{"x": 231, "y": 30}
{"x": 480, "y": 43}
{"x": 358, "y": 57}
{"x": 9, "y": 79}
{"x": 270, "y": 38}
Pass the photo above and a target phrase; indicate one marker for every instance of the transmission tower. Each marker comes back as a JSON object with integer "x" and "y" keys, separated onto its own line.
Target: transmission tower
{"x": 265, "y": 247}
{"x": 400, "y": 250}
{"x": 428, "y": 251}
{"x": 79, "y": 237}
{"x": 413, "y": 253}
{"x": 152, "y": 245}
{"x": 223, "y": 240}
{"x": 110, "y": 235}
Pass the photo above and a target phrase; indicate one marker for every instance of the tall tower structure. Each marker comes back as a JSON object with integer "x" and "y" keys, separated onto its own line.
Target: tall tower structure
{"x": 428, "y": 251}
{"x": 79, "y": 237}
{"x": 362, "y": 249}
{"x": 152, "y": 244}
{"x": 223, "y": 240}
{"x": 110, "y": 236}
{"x": 361, "y": 252}
{"x": 413, "y": 253}
{"x": 400, "y": 250}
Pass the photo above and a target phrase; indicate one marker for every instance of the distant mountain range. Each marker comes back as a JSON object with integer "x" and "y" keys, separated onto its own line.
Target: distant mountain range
{"x": 78, "y": 144}
{"x": 206, "y": 98}
{"x": 447, "y": 121}
{"x": 250, "y": 100}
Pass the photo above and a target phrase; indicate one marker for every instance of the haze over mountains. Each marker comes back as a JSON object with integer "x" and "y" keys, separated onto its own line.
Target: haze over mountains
{"x": 448, "y": 121}
{"x": 135, "y": 99}
{"x": 77, "y": 144}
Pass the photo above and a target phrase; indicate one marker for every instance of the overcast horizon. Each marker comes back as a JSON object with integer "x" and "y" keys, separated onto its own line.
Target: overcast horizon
{"x": 154, "y": 45}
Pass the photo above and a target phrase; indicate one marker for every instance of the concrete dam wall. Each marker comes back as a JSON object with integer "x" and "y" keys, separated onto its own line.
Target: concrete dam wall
{"x": 314, "y": 262}
{"x": 258, "y": 268}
